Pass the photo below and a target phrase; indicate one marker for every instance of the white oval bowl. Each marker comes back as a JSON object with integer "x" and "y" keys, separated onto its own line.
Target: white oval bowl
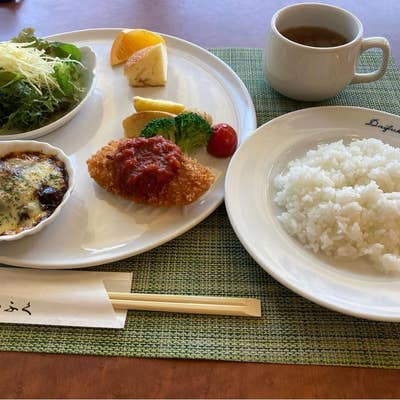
{"x": 89, "y": 79}
{"x": 7, "y": 147}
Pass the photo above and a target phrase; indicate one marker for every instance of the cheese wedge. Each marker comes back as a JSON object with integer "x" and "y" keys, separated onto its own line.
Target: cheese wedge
{"x": 148, "y": 66}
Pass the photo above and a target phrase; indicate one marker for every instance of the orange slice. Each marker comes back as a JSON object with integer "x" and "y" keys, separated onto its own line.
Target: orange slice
{"x": 130, "y": 41}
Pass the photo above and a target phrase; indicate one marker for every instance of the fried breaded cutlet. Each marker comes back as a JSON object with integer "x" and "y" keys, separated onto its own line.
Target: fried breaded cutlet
{"x": 191, "y": 181}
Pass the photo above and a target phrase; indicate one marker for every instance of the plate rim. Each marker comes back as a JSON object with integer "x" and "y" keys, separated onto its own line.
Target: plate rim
{"x": 262, "y": 263}
{"x": 249, "y": 120}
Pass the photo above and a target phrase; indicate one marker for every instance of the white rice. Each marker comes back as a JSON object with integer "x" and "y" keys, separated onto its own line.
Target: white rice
{"x": 344, "y": 200}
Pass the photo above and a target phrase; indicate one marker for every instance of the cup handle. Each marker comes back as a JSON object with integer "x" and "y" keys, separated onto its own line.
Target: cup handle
{"x": 370, "y": 43}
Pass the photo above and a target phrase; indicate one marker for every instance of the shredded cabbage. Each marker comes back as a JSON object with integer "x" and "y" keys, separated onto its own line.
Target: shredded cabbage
{"x": 32, "y": 63}
{"x": 39, "y": 80}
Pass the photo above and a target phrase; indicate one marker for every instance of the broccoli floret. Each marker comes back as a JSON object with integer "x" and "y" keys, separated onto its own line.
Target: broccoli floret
{"x": 188, "y": 130}
{"x": 192, "y": 131}
{"x": 160, "y": 126}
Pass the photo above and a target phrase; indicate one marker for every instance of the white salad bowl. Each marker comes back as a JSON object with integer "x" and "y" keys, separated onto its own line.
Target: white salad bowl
{"x": 89, "y": 80}
{"x": 7, "y": 147}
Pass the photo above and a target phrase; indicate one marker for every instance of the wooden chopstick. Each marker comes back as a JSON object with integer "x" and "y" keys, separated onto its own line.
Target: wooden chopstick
{"x": 245, "y": 307}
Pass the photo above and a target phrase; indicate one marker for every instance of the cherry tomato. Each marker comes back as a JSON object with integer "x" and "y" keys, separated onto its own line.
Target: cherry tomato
{"x": 223, "y": 141}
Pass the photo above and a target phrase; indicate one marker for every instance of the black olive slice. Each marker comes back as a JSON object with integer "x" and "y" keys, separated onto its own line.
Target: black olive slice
{"x": 50, "y": 198}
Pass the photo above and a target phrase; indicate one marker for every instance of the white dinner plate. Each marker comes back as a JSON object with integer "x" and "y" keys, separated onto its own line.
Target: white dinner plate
{"x": 97, "y": 227}
{"x": 354, "y": 288}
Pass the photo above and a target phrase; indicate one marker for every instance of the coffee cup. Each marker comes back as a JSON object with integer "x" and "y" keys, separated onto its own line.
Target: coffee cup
{"x": 299, "y": 64}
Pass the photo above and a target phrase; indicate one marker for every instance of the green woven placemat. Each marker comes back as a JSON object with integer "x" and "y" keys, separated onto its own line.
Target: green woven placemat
{"x": 209, "y": 260}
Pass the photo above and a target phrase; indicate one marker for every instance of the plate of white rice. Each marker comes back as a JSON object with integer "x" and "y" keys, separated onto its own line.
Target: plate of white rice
{"x": 314, "y": 197}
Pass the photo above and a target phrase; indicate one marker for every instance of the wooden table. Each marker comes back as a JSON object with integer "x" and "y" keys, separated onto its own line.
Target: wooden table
{"x": 208, "y": 23}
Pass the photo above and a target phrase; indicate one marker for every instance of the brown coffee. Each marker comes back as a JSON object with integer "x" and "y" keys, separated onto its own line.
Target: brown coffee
{"x": 314, "y": 36}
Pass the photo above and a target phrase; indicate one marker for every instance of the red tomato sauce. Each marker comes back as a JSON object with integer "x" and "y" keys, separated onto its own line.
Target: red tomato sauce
{"x": 142, "y": 167}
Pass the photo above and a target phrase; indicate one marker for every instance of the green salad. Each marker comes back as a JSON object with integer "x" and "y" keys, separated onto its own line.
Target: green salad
{"x": 39, "y": 80}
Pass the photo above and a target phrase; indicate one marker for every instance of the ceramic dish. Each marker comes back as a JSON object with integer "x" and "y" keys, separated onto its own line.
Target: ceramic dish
{"x": 98, "y": 227}
{"x": 354, "y": 288}
{"x": 7, "y": 147}
{"x": 89, "y": 80}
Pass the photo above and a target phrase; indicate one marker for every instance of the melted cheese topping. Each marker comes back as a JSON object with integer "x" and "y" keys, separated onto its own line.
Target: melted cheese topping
{"x": 32, "y": 185}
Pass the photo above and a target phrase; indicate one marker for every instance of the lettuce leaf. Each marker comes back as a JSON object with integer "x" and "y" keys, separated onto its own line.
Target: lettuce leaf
{"x": 54, "y": 49}
{"x": 22, "y": 106}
